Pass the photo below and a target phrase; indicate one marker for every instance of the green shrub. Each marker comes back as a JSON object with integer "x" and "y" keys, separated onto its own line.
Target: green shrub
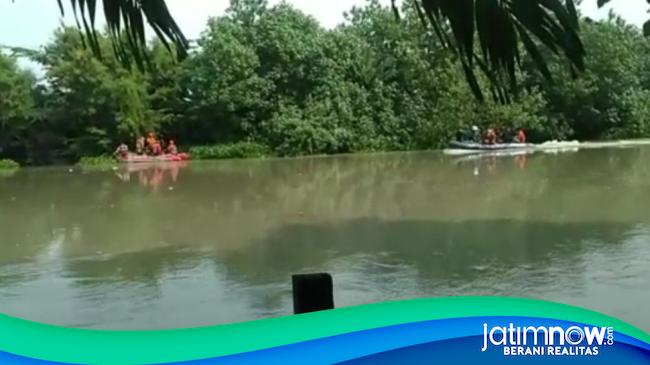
{"x": 230, "y": 151}
{"x": 97, "y": 162}
{"x": 7, "y": 164}
{"x": 291, "y": 132}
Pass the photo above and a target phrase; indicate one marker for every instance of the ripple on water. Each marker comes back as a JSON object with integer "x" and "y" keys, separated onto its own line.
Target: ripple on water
{"x": 223, "y": 245}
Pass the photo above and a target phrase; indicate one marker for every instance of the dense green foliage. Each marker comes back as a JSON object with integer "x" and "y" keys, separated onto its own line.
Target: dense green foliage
{"x": 497, "y": 27}
{"x": 230, "y": 151}
{"x": 8, "y": 164}
{"x": 270, "y": 80}
{"x": 103, "y": 162}
{"x": 17, "y": 106}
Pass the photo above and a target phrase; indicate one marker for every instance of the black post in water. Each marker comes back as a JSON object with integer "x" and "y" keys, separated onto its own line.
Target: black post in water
{"x": 312, "y": 293}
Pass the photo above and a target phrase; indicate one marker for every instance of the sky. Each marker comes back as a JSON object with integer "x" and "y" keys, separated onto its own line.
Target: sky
{"x": 30, "y": 23}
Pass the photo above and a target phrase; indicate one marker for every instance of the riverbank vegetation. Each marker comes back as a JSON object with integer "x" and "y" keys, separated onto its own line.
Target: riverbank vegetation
{"x": 8, "y": 164}
{"x": 230, "y": 151}
{"x": 103, "y": 162}
{"x": 269, "y": 80}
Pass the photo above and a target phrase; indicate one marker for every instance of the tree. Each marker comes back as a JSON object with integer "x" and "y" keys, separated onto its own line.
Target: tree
{"x": 500, "y": 26}
{"x": 125, "y": 20}
{"x": 227, "y": 94}
{"x": 17, "y": 104}
{"x": 91, "y": 103}
{"x": 271, "y": 79}
{"x": 609, "y": 99}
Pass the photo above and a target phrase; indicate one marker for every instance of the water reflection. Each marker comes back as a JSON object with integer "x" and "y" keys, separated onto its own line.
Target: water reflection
{"x": 221, "y": 245}
{"x": 152, "y": 175}
{"x": 437, "y": 250}
{"x": 7, "y": 173}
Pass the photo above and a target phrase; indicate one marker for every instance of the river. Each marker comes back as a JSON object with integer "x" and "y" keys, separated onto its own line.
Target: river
{"x": 216, "y": 242}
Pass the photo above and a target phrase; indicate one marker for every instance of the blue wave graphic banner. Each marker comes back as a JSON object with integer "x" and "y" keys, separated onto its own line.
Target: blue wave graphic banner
{"x": 439, "y": 331}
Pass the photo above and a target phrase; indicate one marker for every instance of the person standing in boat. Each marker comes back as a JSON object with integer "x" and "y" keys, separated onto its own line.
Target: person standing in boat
{"x": 157, "y": 149}
{"x": 490, "y": 136}
{"x": 150, "y": 141}
{"x": 521, "y": 136}
{"x": 140, "y": 145}
{"x": 171, "y": 147}
{"x": 476, "y": 134}
{"x": 122, "y": 151}
{"x": 154, "y": 146}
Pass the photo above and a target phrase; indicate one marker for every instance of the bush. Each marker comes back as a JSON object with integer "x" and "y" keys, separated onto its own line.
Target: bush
{"x": 7, "y": 164}
{"x": 229, "y": 151}
{"x": 97, "y": 162}
{"x": 292, "y": 133}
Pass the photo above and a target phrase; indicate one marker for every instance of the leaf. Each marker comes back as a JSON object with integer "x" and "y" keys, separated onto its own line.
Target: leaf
{"x": 499, "y": 26}
{"x": 534, "y": 53}
{"x": 129, "y": 15}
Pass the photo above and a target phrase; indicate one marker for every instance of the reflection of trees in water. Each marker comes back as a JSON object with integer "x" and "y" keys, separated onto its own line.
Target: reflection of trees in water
{"x": 145, "y": 272}
{"x": 145, "y": 267}
{"x": 236, "y": 208}
{"x": 438, "y": 250}
{"x": 7, "y": 173}
{"x": 153, "y": 175}
{"x": 96, "y": 212}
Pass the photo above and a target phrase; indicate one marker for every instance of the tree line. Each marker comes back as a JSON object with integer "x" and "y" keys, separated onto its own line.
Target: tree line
{"x": 270, "y": 80}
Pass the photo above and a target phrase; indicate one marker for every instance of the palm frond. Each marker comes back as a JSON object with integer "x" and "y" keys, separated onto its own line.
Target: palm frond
{"x": 498, "y": 27}
{"x": 125, "y": 20}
